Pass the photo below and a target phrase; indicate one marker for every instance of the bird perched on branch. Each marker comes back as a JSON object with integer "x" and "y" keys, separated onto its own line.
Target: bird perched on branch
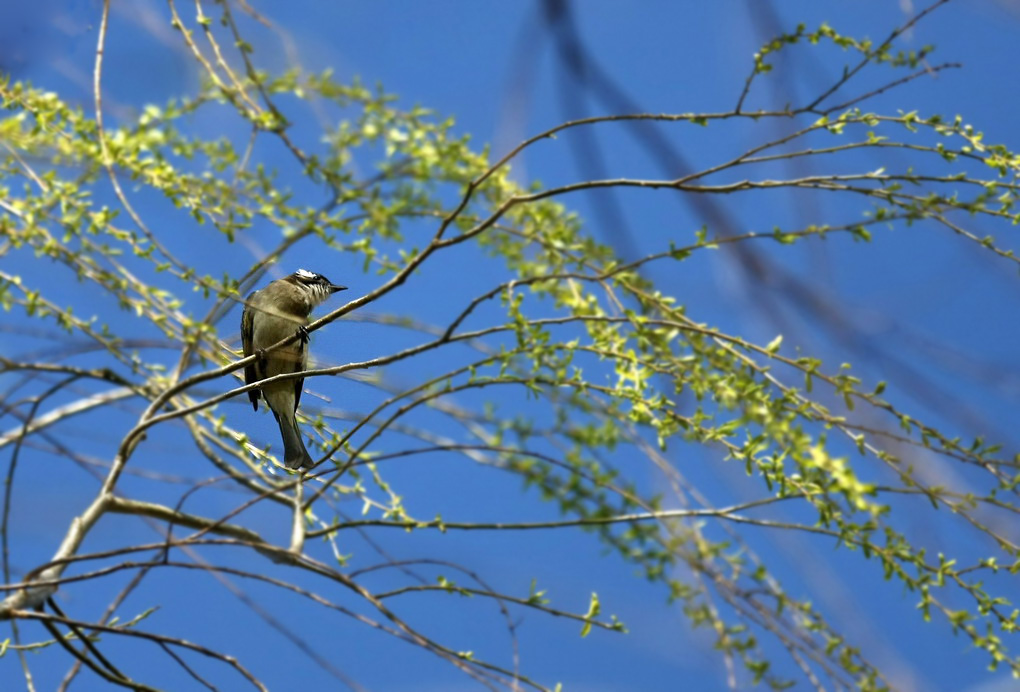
{"x": 271, "y": 315}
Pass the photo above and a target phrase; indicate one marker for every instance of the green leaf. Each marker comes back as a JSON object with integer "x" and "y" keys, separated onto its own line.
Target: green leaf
{"x": 594, "y": 608}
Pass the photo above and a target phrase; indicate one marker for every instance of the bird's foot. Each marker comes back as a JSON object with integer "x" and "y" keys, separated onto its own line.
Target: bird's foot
{"x": 260, "y": 353}
{"x": 303, "y": 335}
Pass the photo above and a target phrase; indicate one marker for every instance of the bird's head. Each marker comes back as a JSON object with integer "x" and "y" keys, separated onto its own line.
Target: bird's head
{"x": 317, "y": 285}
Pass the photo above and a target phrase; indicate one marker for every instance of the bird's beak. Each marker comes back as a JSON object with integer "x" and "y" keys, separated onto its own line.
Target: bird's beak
{"x": 334, "y": 288}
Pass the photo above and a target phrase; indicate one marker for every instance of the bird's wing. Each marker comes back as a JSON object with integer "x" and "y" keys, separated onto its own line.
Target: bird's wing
{"x": 247, "y": 336}
{"x": 299, "y": 384}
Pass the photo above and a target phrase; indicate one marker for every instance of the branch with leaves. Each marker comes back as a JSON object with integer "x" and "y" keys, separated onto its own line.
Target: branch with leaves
{"x": 618, "y": 375}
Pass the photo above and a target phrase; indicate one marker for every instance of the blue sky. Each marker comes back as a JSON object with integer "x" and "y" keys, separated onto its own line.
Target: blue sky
{"x": 922, "y": 309}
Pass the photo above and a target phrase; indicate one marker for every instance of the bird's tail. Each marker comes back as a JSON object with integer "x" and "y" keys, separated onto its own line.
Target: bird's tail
{"x": 295, "y": 456}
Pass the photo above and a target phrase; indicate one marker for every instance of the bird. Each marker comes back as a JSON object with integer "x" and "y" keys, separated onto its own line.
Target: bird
{"x": 270, "y": 315}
